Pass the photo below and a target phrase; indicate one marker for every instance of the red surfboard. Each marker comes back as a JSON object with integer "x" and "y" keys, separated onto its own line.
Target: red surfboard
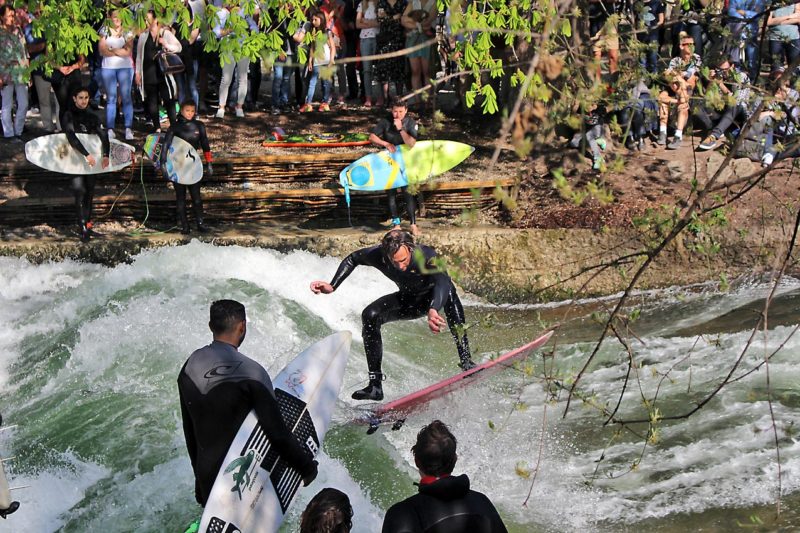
{"x": 397, "y": 410}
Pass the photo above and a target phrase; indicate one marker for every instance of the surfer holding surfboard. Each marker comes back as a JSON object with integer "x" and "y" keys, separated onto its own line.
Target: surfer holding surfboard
{"x": 218, "y": 387}
{"x": 402, "y": 129}
{"x": 79, "y": 119}
{"x": 424, "y": 289}
{"x": 193, "y": 131}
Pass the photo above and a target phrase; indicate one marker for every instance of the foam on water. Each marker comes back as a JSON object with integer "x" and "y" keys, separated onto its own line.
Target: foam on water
{"x": 89, "y": 357}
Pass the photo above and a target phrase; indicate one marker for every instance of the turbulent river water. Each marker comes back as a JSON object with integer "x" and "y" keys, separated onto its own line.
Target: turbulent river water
{"x": 89, "y": 356}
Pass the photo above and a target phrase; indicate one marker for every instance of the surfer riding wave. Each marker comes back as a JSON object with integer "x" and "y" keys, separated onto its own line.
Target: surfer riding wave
{"x": 424, "y": 290}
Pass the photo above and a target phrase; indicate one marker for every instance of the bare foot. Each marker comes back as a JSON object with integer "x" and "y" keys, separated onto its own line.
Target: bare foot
{"x": 415, "y": 231}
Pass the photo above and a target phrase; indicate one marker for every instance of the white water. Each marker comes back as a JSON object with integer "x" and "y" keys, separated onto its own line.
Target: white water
{"x": 89, "y": 357}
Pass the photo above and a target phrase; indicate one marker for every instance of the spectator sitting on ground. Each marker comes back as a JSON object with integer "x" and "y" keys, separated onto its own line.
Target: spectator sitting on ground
{"x": 444, "y": 502}
{"x": 681, "y": 76}
{"x": 592, "y": 132}
{"x": 327, "y": 512}
{"x": 729, "y": 81}
{"x": 638, "y": 116}
{"x": 781, "y": 119}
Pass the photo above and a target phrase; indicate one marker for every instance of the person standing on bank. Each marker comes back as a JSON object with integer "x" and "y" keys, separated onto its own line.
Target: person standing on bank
{"x": 14, "y": 76}
{"x": 155, "y": 86}
{"x": 218, "y": 386}
{"x": 80, "y": 119}
{"x": 444, "y": 502}
{"x": 424, "y": 290}
{"x": 193, "y": 131}
{"x": 401, "y": 129}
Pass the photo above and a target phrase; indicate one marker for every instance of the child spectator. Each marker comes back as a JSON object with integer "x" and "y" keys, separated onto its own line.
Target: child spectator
{"x": 320, "y": 53}
{"x": 592, "y": 134}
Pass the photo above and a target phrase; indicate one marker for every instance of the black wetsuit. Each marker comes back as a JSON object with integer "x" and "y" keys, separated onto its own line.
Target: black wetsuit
{"x": 445, "y": 506}
{"x": 386, "y": 130}
{"x": 218, "y": 387}
{"x": 75, "y": 121}
{"x": 193, "y": 132}
{"x": 418, "y": 293}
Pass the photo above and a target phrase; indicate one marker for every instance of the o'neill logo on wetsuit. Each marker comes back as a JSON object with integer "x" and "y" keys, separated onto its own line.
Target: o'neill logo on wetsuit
{"x": 222, "y": 370}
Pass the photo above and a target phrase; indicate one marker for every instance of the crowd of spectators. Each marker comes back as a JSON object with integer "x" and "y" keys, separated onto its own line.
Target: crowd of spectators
{"x": 704, "y": 65}
{"x": 125, "y": 79}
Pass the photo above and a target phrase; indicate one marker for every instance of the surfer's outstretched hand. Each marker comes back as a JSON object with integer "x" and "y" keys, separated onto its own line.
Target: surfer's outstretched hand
{"x": 321, "y": 287}
{"x": 435, "y": 321}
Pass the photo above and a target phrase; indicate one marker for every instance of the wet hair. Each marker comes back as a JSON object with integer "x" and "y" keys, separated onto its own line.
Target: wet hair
{"x": 327, "y": 512}
{"x": 224, "y": 316}
{"x": 435, "y": 450}
{"x": 394, "y": 240}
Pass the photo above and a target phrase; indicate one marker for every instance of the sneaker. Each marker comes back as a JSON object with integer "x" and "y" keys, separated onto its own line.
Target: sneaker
{"x": 675, "y": 144}
{"x": 307, "y": 108}
{"x": 220, "y": 113}
{"x": 240, "y": 112}
{"x": 324, "y": 107}
{"x": 709, "y": 143}
{"x": 368, "y": 104}
{"x": 128, "y": 134}
{"x": 662, "y": 138}
{"x": 598, "y": 163}
{"x": 601, "y": 143}
{"x": 767, "y": 160}
{"x": 370, "y": 392}
{"x": 276, "y": 111}
{"x": 111, "y": 134}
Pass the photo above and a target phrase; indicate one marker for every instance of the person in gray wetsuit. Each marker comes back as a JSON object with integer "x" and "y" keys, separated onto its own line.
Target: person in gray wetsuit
{"x": 218, "y": 386}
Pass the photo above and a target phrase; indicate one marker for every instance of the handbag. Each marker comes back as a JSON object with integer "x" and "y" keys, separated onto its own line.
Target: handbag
{"x": 169, "y": 63}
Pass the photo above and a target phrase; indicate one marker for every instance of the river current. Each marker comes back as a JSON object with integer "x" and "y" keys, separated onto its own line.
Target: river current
{"x": 89, "y": 356}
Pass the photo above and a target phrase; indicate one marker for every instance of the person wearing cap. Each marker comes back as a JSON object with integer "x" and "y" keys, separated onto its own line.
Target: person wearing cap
{"x": 424, "y": 289}
{"x": 681, "y": 76}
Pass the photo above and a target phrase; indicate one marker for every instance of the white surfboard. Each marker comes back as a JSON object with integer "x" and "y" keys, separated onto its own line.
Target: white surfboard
{"x": 254, "y": 486}
{"x": 183, "y": 164}
{"x": 54, "y": 153}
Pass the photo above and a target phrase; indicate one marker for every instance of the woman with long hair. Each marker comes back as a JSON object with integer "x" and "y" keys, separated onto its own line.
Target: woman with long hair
{"x": 367, "y": 22}
{"x": 391, "y": 38}
{"x": 418, "y": 19}
{"x": 116, "y": 47}
{"x": 155, "y": 86}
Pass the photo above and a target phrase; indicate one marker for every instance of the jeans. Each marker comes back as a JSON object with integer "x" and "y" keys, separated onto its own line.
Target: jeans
{"x": 281, "y": 82}
{"x": 368, "y": 48}
{"x": 729, "y": 116}
{"x": 43, "y": 91}
{"x": 187, "y": 82}
{"x": 112, "y": 78}
{"x": 591, "y": 135}
{"x": 747, "y": 35}
{"x": 15, "y": 127}
{"x": 227, "y": 76}
{"x": 327, "y": 86}
{"x": 780, "y": 50}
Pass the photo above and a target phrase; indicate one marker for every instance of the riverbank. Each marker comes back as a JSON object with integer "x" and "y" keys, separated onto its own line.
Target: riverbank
{"x": 494, "y": 262}
{"x": 529, "y": 246}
